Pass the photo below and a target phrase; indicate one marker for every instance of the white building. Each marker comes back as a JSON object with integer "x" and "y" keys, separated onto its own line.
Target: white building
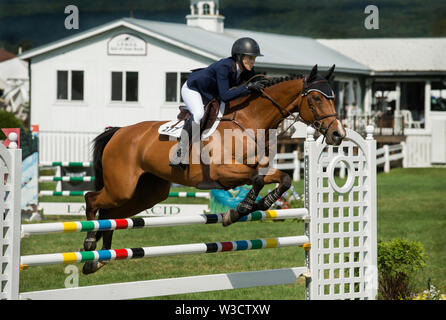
{"x": 131, "y": 70}
{"x": 409, "y": 74}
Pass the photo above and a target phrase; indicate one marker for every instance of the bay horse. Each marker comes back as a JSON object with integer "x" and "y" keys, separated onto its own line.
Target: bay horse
{"x": 131, "y": 164}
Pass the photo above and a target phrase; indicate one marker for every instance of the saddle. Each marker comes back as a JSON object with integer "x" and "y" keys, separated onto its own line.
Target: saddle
{"x": 211, "y": 110}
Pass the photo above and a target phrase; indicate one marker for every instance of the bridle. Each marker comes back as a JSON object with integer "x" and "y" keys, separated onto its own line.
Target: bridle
{"x": 317, "y": 123}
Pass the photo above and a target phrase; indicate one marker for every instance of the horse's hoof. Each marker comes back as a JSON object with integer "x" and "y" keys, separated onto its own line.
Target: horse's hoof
{"x": 90, "y": 244}
{"x": 93, "y": 266}
{"x": 229, "y": 217}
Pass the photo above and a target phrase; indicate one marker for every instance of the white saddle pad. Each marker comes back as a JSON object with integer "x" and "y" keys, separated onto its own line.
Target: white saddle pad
{"x": 173, "y": 128}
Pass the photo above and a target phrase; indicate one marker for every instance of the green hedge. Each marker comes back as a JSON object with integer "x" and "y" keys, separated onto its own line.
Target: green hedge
{"x": 8, "y": 120}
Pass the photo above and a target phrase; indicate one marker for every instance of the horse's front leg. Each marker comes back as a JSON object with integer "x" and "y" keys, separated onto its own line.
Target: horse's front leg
{"x": 273, "y": 176}
{"x": 246, "y": 206}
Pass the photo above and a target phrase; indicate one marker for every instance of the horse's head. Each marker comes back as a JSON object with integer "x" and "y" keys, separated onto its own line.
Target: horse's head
{"x": 317, "y": 107}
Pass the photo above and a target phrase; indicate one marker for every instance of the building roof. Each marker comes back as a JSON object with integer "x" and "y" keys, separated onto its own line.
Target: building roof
{"x": 6, "y": 55}
{"x": 280, "y": 51}
{"x": 394, "y": 55}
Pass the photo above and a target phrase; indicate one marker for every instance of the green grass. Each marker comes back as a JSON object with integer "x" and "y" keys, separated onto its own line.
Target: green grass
{"x": 117, "y": 271}
{"x": 411, "y": 204}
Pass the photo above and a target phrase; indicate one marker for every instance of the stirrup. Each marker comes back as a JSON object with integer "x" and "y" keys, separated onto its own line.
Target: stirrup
{"x": 177, "y": 162}
{"x": 179, "y": 165}
{"x": 180, "y": 153}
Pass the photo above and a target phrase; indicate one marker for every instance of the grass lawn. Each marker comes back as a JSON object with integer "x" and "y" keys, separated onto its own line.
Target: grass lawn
{"x": 411, "y": 204}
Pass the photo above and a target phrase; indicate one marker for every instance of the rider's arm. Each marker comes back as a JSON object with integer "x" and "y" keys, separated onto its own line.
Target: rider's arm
{"x": 225, "y": 92}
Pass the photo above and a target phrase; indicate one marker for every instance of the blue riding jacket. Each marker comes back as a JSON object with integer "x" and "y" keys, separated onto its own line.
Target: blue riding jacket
{"x": 217, "y": 79}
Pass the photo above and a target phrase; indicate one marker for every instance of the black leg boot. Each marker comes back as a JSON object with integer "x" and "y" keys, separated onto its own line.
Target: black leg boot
{"x": 183, "y": 146}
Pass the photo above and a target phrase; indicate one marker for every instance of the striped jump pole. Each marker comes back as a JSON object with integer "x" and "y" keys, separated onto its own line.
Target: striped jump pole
{"x": 65, "y": 164}
{"x": 158, "y": 251}
{"x": 132, "y": 223}
{"x": 189, "y": 194}
{"x": 82, "y": 193}
{"x": 62, "y": 193}
{"x": 65, "y": 178}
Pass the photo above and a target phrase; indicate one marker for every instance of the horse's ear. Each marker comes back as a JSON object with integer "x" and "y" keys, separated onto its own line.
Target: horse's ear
{"x": 313, "y": 73}
{"x": 329, "y": 73}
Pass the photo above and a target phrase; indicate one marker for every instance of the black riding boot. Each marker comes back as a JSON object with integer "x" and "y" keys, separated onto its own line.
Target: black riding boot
{"x": 183, "y": 146}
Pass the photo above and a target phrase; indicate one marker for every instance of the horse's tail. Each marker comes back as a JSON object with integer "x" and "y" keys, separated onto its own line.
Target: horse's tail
{"x": 98, "y": 149}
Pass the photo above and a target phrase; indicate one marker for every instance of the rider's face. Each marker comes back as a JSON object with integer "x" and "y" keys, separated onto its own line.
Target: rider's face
{"x": 248, "y": 62}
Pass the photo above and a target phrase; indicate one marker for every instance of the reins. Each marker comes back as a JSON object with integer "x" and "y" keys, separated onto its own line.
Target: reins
{"x": 317, "y": 123}
{"x": 306, "y": 89}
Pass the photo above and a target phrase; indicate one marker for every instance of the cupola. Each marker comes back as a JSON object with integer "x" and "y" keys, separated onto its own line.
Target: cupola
{"x": 205, "y": 14}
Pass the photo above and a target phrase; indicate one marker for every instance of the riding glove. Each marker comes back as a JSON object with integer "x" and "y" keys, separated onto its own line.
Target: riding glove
{"x": 256, "y": 85}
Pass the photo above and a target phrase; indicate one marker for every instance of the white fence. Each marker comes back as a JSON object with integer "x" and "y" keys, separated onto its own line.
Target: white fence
{"x": 384, "y": 156}
{"x": 389, "y": 153}
{"x": 294, "y": 164}
{"x": 419, "y": 148}
{"x": 65, "y": 146}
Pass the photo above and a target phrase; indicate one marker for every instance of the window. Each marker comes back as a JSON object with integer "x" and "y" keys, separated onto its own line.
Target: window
{"x": 438, "y": 96}
{"x": 70, "y": 85}
{"x": 171, "y": 86}
{"x": 183, "y": 79}
{"x": 174, "y": 82}
{"x": 124, "y": 86}
{"x": 131, "y": 88}
{"x": 206, "y": 9}
{"x": 62, "y": 85}
{"x": 116, "y": 86}
{"x": 77, "y": 85}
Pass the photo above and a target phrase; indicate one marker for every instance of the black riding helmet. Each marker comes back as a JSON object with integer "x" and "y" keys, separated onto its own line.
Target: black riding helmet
{"x": 247, "y": 46}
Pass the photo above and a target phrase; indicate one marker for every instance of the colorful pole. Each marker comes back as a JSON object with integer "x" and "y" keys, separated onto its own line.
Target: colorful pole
{"x": 132, "y": 223}
{"x": 147, "y": 252}
{"x": 65, "y": 164}
{"x": 81, "y": 193}
{"x": 65, "y": 178}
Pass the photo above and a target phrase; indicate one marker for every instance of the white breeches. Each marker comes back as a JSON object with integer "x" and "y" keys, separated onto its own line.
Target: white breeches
{"x": 194, "y": 102}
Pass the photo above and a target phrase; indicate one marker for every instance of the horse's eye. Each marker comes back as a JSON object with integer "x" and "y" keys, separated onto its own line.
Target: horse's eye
{"x": 316, "y": 98}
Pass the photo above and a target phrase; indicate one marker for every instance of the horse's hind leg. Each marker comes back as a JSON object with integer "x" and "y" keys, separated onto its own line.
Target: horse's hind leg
{"x": 93, "y": 266}
{"x": 90, "y": 211}
{"x": 122, "y": 190}
{"x": 91, "y": 238}
{"x": 149, "y": 191}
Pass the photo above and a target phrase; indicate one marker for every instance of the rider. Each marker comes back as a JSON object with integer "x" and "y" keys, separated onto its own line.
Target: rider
{"x": 217, "y": 81}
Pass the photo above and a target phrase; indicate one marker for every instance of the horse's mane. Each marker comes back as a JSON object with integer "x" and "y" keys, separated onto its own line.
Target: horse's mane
{"x": 277, "y": 80}
{"x": 240, "y": 103}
